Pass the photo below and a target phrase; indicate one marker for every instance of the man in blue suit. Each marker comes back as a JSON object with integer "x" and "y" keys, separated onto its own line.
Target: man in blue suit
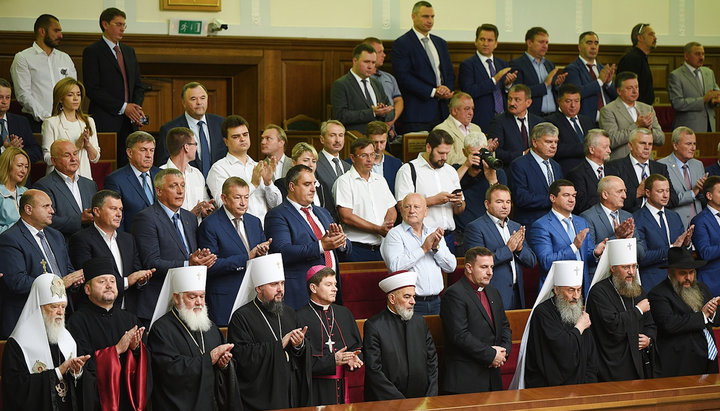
{"x": 15, "y": 128}
{"x": 594, "y": 79}
{"x": 234, "y": 237}
{"x": 606, "y": 218}
{"x": 659, "y": 228}
{"x": 166, "y": 237}
{"x": 714, "y": 168}
{"x": 706, "y": 236}
{"x": 305, "y": 235}
{"x": 532, "y": 174}
{"x": 561, "y": 235}
{"x": 536, "y": 72}
{"x": 72, "y": 208}
{"x": 31, "y": 248}
{"x": 486, "y": 78}
{"x": 134, "y": 181}
{"x": 206, "y": 129}
{"x": 506, "y": 239}
{"x": 424, "y": 71}
{"x": 572, "y": 127}
{"x": 512, "y": 128}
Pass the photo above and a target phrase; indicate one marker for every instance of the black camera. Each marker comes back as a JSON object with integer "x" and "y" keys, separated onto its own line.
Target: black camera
{"x": 489, "y": 159}
{"x": 145, "y": 120}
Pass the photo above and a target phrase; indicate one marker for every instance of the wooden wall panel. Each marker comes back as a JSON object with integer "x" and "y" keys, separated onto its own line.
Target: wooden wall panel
{"x": 302, "y": 85}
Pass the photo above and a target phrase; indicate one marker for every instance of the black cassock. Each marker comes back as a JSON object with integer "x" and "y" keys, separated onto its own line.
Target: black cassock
{"x": 556, "y": 353}
{"x": 400, "y": 358}
{"x": 37, "y": 392}
{"x": 328, "y": 384}
{"x": 269, "y": 376}
{"x": 95, "y": 328}
{"x": 185, "y": 378}
{"x": 616, "y": 323}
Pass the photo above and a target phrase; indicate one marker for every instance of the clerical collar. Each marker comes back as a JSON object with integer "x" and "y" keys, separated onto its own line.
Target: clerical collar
{"x": 474, "y": 286}
{"x": 319, "y": 306}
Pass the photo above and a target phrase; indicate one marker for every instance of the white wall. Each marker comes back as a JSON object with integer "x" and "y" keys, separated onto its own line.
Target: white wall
{"x": 675, "y": 21}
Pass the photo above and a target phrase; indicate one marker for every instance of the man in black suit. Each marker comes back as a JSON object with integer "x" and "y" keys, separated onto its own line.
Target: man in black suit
{"x": 355, "y": 102}
{"x": 72, "y": 206}
{"x": 477, "y": 332}
{"x": 536, "y": 72}
{"x": 14, "y": 129}
{"x": 572, "y": 126}
{"x": 166, "y": 236}
{"x": 685, "y": 313}
{"x": 112, "y": 79}
{"x": 636, "y": 167}
{"x": 206, "y": 129}
{"x": 586, "y": 175}
{"x": 512, "y": 128}
{"x": 103, "y": 240}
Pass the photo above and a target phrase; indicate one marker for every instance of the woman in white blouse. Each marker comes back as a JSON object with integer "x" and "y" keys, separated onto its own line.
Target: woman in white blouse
{"x": 70, "y": 123}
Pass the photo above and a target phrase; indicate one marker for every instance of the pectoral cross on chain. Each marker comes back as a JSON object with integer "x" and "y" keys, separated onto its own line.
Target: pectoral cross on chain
{"x": 330, "y": 344}
{"x": 43, "y": 263}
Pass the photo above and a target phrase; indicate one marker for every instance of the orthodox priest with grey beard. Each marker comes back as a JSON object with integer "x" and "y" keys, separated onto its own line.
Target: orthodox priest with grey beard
{"x": 557, "y": 346}
{"x": 192, "y": 365}
{"x": 685, "y": 312}
{"x": 623, "y": 325}
{"x": 275, "y": 369}
{"x": 40, "y": 370}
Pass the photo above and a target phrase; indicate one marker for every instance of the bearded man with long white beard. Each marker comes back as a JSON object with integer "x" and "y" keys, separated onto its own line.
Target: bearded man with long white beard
{"x": 193, "y": 367}
{"x": 685, "y": 312}
{"x": 623, "y": 325}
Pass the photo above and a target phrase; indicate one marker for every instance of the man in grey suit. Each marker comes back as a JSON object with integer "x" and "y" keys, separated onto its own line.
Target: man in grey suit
{"x": 687, "y": 175}
{"x": 71, "y": 194}
{"x": 357, "y": 97}
{"x": 693, "y": 92}
{"x": 329, "y": 164}
{"x": 623, "y": 115}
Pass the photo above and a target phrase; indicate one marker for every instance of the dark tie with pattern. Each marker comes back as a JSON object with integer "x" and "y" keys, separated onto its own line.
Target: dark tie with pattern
{"x": 497, "y": 95}
{"x": 523, "y": 131}
{"x": 121, "y": 63}
{"x": 204, "y": 148}
{"x": 594, "y": 77}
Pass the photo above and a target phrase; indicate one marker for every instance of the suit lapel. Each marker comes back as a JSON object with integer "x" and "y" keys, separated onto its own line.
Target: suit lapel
{"x": 359, "y": 92}
{"x": 164, "y": 220}
{"x": 29, "y": 238}
{"x": 229, "y": 228}
{"x": 300, "y": 219}
{"x": 97, "y": 239}
{"x": 492, "y": 228}
{"x": 135, "y": 183}
{"x": 472, "y": 294}
{"x": 65, "y": 191}
{"x": 604, "y": 219}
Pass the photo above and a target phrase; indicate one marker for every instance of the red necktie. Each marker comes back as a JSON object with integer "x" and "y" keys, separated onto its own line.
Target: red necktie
{"x": 486, "y": 305}
{"x": 594, "y": 77}
{"x": 523, "y": 131}
{"x": 318, "y": 234}
{"x": 121, "y": 63}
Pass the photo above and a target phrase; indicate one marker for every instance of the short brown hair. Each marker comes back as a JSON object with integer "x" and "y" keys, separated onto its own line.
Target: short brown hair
{"x": 177, "y": 138}
{"x": 486, "y": 27}
{"x": 233, "y": 121}
{"x": 534, "y": 31}
{"x": 652, "y": 178}
{"x": 375, "y": 128}
{"x": 472, "y": 254}
{"x": 233, "y": 181}
{"x": 109, "y": 14}
{"x": 496, "y": 187}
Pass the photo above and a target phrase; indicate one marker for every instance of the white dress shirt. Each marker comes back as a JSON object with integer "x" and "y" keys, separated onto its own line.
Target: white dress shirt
{"x": 194, "y": 186}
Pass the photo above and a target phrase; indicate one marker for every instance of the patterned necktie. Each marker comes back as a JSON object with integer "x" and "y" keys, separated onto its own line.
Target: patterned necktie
{"x": 688, "y": 186}
{"x": 3, "y": 131}
{"x": 497, "y": 95}
{"x": 146, "y": 187}
{"x": 570, "y": 230}
{"x": 338, "y": 168}
{"x": 600, "y": 172}
{"x": 368, "y": 97}
{"x": 176, "y": 222}
{"x": 204, "y": 149}
{"x": 663, "y": 227}
{"x": 426, "y": 45}
{"x": 601, "y": 103}
{"x": 578, "y": 130}
{"x": 524, "y": 133}
{"x": 712, "y": 348}
{"x": 644, "y": 174}
{"x": 550, "y": 177}
{"x": 121, "y": 63}
{"x": 240, "y": 228}
{"x": 318, "y": 234}
{"x": 55, "y": 269}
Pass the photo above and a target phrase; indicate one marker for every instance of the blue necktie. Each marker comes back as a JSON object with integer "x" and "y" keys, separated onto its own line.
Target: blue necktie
{"x": 578, "y": 131}
{"x": 712, "y": 348}
{"x": 3, "y": 131}
{"x": 205, "y": 149}
{"x": 550, "y": 177}
{"x": 571, "y": 234}
{"x": 644, "y": 174}
{"x": 54, "y": 268}
{"x": 663, "y": 227}
{"x": 497, "y": 95}
{"x": 176, "y": 221}
{"x": 148, "y": 190}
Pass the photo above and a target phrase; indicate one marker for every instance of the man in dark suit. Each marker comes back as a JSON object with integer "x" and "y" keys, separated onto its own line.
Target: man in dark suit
{"x": 355, "y": 102}
{"x": 477, "y": 331}
{"x": 685, "y": 312}
{"x": 234, "y": 237}
{"x": 14, "y": 129}
{"x": 31, "y": 248}
{"x": 706, "y": 236}
{"x": 532, "y": 174}
{"x": 166, "y": 236}
{"x": 594, "y": 79}
{"x": 329, "y": 164}
{"x": 586, "y": 175}
{"x": 659, "y": 228}
{"x": 425, "y": 74}
{"x": 562, "y": 235}
{"x": 134, "y": 181}
{"x": 305, "y": 235}
{"x": 536, "y": 72}
{"x": 572, "y": 127}
{"x": 206, "y": 129}
{"x": 607, "y": 219}
{"x": 72, "y": 207}
{"x": 512, "y": 128}
{"x": 486, "y": 78}
{"x": 112, "y": 79}
{"x": 102, "y": 240}
{"x": 714, "y": 168}
{"x": 634, "y": 168}
{"x": 506, "y": 239}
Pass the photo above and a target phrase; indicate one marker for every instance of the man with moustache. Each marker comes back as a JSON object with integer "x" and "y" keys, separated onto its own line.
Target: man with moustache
{"x": 458, "y": 125}
{"x": 399, "y": 351}
{"x": 588, "y": 173}
{"x": 557, "y": 346}
{"x": 193, "y": 365}
{"x": 685, "y": 312}
{"x": 693, "y": 92}
{"x": 389, "y": 83}
{"x": 268, "y": 342}
{"x": 110, "y": 336}
{"x": 39, "y": 366}
{"x": 333, "y": 336}
{"x": 512, "y": 128}
{"x": 623, "y": 325}
{"x": 478, "y": 336}
{"x": 329, "y": 164}
{"x": 635, "y": 60}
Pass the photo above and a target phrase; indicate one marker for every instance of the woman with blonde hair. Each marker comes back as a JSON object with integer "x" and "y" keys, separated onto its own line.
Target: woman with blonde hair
{"x": 14, "y": 172}
{"x": 70, "y": 123}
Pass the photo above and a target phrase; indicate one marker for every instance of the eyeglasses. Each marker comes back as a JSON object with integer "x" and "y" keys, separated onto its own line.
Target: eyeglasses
{"x": 365, "y": 156}
{"x": 123, "y": 25}
{"x": 192, "y": 144}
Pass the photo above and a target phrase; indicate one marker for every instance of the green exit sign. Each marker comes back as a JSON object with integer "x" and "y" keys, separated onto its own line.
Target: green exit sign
{"x": 191, "y": 27}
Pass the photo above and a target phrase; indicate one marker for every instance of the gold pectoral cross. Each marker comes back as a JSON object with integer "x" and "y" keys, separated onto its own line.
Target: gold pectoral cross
{"x": 44, "y": 264}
